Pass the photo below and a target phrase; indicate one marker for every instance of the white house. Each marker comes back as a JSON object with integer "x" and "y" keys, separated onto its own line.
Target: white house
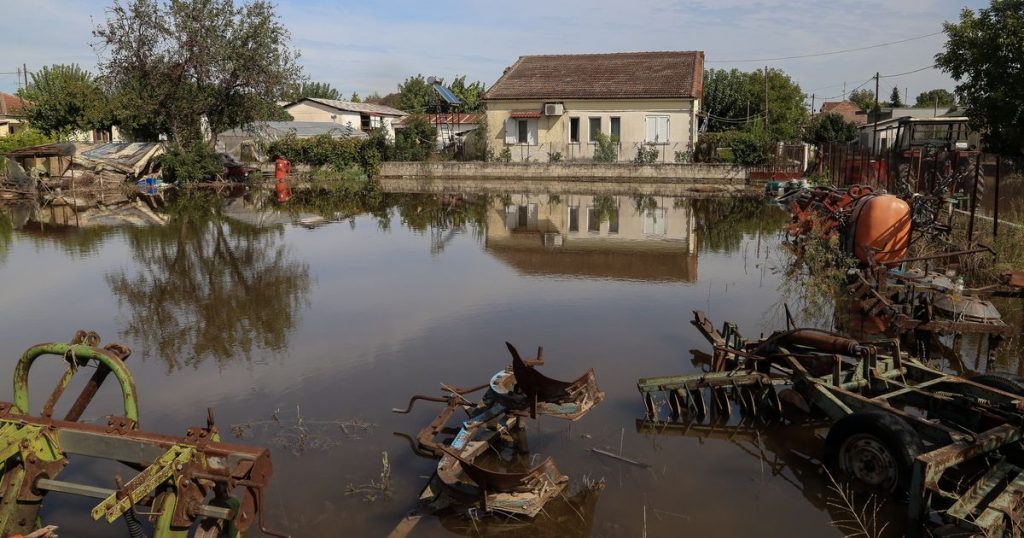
{"x": 361, "y": 116}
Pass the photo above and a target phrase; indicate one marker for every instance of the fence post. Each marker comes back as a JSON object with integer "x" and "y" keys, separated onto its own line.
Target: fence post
{"x": 995, "y": 208}
{"x": 974, "y": 199}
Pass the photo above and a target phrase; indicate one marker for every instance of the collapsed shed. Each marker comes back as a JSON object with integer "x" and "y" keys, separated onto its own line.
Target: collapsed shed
{"x": 56, "y": 164}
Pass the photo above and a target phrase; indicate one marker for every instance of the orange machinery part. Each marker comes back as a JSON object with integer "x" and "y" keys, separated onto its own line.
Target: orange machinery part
{"x": 881, "y": 229}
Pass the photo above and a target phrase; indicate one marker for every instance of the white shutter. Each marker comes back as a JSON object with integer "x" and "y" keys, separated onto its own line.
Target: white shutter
{"x": 663, "y": 129}
{"x": 651, "y": 126}
{"x": 510, "y": 131}
{"x": 531, "y": 132}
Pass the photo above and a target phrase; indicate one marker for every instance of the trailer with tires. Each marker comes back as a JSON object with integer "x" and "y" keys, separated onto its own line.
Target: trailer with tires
{"x": 950, "y": 444}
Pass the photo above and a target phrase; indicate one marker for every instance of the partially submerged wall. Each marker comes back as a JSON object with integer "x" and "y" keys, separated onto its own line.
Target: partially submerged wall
{"x": 667, "y": 179}
{"x": 725, "y": 174}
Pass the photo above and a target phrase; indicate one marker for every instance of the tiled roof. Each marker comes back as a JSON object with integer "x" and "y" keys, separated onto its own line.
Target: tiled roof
{"x": 847, "y": 109}
{"x": 624, "y": 75}
{"x": 11, "y": 105}
{"x": 349, "y": 106}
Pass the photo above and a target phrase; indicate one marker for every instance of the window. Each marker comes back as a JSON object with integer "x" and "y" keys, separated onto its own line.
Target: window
{"x": 593, "y": 220}
{"x": 520, "y": 131}
{"x": 595, "y": 129}
{"x": 574, "y": 218}
{"x": 654, "y": 221}
{"x": 616, "y": 128}
{"x": 574, "y": 130}
{"x": 657, "y": 129}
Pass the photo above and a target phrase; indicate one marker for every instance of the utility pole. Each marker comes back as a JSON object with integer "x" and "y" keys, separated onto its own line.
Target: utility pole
{"x": 874, "y": 128}
{"x": 812, "y": 104}
{"x": 844, "y": 91}
{"x": 24, "y": 70}
{"x": 766, "y": 125}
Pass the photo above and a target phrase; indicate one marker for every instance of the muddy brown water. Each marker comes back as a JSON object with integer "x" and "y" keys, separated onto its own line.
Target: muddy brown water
{"x": 265, "y": 314}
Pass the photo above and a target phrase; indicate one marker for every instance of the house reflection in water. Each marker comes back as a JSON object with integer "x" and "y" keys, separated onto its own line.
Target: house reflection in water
{"x": 615, "y": 237}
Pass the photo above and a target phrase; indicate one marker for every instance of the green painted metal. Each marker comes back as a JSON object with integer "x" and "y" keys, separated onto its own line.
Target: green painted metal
{"x": 163, "y": 527}
{"x": 80, "y": 354}
{"x": 145, "y": 482}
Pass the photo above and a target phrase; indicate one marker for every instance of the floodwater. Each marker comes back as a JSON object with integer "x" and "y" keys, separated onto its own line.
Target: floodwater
{"x": 268, "y": 314}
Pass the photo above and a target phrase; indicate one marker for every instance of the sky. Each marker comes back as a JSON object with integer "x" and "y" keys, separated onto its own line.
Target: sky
{"x": 374, "y": 45}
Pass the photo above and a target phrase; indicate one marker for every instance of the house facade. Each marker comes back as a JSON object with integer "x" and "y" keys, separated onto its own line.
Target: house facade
{"x": 361, "y": 116}
{"x": 543, "y": 105}
{"x": 12, "y": 114}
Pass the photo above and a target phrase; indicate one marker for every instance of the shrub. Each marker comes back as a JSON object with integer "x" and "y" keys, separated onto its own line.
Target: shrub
{"x": 554, "y": 156}
{"x": 416, "y": 141}
{"x": 189, "y": 163}
{"x": 683, "y": 157}
{"x": 751, "y": 149}
{"x": 646, "y": 154}
{"x": 706, "y": 150}
{"x": 607, "y": 150}
{"x": 325, "y": 151}
{"x": 505, "y": 156}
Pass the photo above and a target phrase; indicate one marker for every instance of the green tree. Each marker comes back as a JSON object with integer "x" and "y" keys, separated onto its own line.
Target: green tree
{"x": 863, "y": 98}
{"x": 307, "y": 89}
{"x": 416, "y": 140}
{"x": 415, "y": 95}
{"x": 65, "y": 98}
{"x": 829, "y": 129}
{"x": 172, "y": 63}
{"x": 983, "y": 54}
{"x": 22, "y": 138}
{"x": 472, "y": 95}
{"x": 355, "y": 98}
{"x": 935, "y": 98}
{"x": 728, "y": 94}
{"x": 895, "y": 100}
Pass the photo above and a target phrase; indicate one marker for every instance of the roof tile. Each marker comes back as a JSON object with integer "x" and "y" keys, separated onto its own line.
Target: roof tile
{"x": 624, "y": 75}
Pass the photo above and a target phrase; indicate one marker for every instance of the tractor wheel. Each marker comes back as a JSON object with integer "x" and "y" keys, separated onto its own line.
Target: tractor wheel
{"x": 1014, "y": 384}
{"x": 874, "y": 451}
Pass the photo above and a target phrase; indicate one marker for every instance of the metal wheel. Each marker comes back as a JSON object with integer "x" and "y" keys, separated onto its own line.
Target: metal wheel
{"x": 865, "y": 459}
{"x": 873, "y": 451}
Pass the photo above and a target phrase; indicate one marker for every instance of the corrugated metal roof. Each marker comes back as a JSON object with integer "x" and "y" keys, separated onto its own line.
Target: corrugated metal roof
{"x": 624, "y": 75}
{"x": 349, "y": 106}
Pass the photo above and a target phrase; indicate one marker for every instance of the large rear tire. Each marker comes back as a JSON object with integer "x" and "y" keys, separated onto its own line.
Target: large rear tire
{"x": 874, "y": 451}
{"x": 1014, "y": 384}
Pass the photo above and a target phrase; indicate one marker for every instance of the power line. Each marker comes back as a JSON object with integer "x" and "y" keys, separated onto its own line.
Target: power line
{"x": 909, "y": 72}
{"x": 829, "y": 53}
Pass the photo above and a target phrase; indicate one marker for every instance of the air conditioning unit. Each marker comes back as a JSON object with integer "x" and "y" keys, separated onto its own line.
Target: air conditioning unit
{"x": 553, "y": 109}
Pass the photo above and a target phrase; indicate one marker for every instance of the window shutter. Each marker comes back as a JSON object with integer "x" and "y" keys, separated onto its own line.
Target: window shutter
{"x": 663, "y": 129}
{"x": 531, "y": 132}
{"x": 510, "y": 131}
{"x": 651, "y": 126}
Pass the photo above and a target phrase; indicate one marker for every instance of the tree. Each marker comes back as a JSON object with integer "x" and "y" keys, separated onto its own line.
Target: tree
{"x": 864, "y": 98}
{"x": 894, "y": 98}
{"x": 414, "y": 95}
{"x": 472, "y": 95}
{"x": 171, "y": 63}
{"x": 729, "y": 94}
{"x": 416, "y": 140}
{"x": 983, "y": 54}
{"x": 65, "y": 98}
{"x": 307, "y": 89}
{"x": 935, "y": 98}
{"x": 829, "y": 129}
{"x": 355, "y": 98}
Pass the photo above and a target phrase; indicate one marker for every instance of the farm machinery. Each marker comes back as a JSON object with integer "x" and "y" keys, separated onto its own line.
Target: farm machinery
{"x": 471, "y": 468}
{"x": 185, "y": 484}
{"x": 949, "y": 445}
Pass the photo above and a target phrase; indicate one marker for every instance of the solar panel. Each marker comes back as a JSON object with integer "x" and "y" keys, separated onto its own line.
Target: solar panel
{"x": 447, "y": 95}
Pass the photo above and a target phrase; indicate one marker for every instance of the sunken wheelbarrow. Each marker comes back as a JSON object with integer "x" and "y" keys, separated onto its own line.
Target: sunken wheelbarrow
{"x": 190, "y": 482}
{"x": 948, "y": 444}
{"x": 466, "y": 473}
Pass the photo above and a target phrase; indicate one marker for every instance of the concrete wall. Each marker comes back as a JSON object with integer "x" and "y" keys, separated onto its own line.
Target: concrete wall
{"x": 552, "y": 132}
{"x": 313, "y": 111}
{"x": 617, "y": 172}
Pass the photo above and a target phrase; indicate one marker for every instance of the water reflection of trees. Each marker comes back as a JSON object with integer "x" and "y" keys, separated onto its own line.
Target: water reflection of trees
{"x": 6, "y": 235}
{"x": 206, "y": 286}
{"x": 721, "y": 223}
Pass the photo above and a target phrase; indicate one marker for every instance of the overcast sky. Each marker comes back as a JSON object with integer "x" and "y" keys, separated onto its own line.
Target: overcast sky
{"x": 373, "y": 45}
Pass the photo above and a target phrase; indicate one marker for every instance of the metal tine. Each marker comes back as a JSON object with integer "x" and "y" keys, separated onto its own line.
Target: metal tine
{"x": 676, "y": 405}
{"x": 720, "y": 399}
{"x": 652, "y": 410}
{"x": 699, "y": 405}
